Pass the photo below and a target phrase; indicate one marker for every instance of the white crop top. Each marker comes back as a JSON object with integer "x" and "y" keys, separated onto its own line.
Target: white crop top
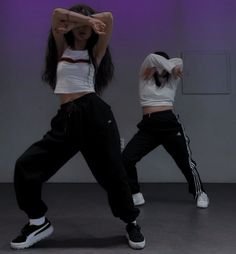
{"x": 75, "y": 72}
{"x": 150, "y": 93}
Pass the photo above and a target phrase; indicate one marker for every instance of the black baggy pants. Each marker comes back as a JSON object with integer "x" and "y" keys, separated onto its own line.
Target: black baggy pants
{"x": 161, "y": 128}
{"x": 86, "y": 125}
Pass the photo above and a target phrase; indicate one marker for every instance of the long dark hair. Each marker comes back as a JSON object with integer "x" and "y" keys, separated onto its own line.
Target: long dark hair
{"x": 103, "y": 73}
{"x": 156, "y": 74}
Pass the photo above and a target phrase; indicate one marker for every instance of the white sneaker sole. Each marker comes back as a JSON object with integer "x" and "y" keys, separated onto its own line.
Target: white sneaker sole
{"x": 203, "y": 206}
{"x": 32, "y": 239}
{"x": 136, "y": 246}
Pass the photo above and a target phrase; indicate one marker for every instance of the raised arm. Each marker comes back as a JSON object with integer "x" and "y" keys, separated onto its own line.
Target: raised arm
{"x": 177, "y": 71}
{"x": 103, "y": 40}
{"x": 64, "y": 20}
{"x": 159, "y": 62}
{"x": 154, "y": 62}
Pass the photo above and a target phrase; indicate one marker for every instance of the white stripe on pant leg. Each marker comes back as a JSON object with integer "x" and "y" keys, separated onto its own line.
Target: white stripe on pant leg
{"x": 196, "y": 179}
{"x": 198, "y": 190}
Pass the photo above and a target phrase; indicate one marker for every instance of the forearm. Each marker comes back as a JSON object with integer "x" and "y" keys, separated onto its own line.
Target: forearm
{"x": 159, "y": 62}
{"x": 64, "y": 15}
{"x": 106, "y": 17}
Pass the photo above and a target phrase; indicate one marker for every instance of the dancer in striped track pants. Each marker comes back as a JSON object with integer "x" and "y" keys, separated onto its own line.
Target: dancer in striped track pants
{"x": 158, "y": 81}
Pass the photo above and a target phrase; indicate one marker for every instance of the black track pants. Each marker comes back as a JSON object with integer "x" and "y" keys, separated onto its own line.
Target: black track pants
{"x": 86, "y": 125}
{"x": 161, "y": 128}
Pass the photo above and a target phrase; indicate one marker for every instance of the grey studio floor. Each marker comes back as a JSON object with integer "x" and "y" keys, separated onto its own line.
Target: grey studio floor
{"x": 84, "y": 224}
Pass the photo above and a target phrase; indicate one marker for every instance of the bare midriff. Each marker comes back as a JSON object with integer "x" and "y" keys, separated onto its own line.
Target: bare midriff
{"x": 64, "y": 98}
{"x": 152, "y": 109}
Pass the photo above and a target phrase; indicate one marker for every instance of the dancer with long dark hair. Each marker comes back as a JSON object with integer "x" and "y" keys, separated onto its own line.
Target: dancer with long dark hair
{"x": 78, "y": 68}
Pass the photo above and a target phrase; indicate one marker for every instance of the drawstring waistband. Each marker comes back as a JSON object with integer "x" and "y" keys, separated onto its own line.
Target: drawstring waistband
{"x": 72, "y": 110}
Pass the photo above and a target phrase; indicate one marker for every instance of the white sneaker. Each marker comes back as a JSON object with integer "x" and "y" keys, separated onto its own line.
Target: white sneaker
{"x": 202, "y": 200}
{"x": 138, "y": 199}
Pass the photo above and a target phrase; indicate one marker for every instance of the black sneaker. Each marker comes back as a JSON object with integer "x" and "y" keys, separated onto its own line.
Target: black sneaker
{"x": 31, "y": 234}
{"x": 135, "y": 237}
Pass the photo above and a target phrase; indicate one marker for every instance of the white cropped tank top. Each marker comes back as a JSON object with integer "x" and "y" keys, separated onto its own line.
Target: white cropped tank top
{"x": 75, "y": 72}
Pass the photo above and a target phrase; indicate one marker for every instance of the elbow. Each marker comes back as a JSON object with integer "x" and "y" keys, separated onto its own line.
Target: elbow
{"x": 57, "y": 12}
{"x": 108, "y": 14}
{"x": 153, "y": 58}
{"x": 109, "y": 17}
